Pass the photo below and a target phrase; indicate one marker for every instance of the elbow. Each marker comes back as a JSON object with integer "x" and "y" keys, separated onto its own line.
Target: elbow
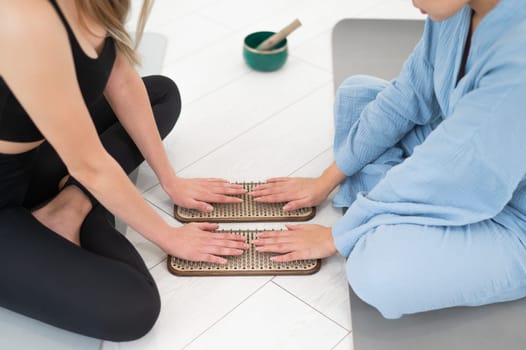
{"x": 88, "y": 169}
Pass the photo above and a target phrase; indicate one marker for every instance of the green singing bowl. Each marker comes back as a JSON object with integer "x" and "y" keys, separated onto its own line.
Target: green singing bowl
{"x": 264, "y": 60}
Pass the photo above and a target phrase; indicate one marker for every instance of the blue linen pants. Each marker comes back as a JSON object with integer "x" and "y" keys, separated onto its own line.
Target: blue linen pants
{"x": 406, "y": 268}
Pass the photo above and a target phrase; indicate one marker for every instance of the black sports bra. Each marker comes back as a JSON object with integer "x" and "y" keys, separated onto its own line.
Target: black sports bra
{"x": 92, "y": 76}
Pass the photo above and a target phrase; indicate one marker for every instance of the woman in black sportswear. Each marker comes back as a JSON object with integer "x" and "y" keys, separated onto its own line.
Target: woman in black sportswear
{"x": 74, "y": 119}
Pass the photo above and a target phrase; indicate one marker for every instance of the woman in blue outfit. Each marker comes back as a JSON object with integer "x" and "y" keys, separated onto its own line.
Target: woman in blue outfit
{"x": 75, "y": 117}
{"x": 431, "y": 167}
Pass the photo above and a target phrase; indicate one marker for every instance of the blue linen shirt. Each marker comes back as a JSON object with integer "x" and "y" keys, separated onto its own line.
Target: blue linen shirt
{"x": 472, "y": 166}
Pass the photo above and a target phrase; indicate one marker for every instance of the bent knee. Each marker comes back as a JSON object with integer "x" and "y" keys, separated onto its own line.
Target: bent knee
{"x": 383, "y": 275}
{"x": 165, "y": 99}
{"x": 131, "y": 315}
{"x": 374, "y": 286}
{"x": 360, "y": 86}
{"x": 353, "y": 95}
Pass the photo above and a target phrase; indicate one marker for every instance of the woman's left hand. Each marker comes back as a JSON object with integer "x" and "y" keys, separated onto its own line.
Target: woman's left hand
{"x": 199, "y": 193}
{"x": 300, "y": 242}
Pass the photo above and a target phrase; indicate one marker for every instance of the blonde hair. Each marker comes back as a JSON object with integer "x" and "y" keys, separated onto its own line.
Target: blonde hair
{"x": 112, "y": 15}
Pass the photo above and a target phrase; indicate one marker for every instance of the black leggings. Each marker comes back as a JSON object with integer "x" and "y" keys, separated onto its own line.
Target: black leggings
{"x": 103, "y": 288}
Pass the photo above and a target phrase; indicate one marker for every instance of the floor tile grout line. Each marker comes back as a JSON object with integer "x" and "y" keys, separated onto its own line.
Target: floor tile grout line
{"x": 314, "y": 37}
{"x": 231, "y": 31}
{"x": 272, "y": 116}
{"x": 235, "y": 137}
{"x": 314, "y": 65}
{"x": 199, "y": 49}
{"x": 195, "y": 101}
{"x": 245, "y": 26}
{"x": 159, "y": 263}
{"x": 222, "y": 145}
{"x": 168, "y": 20}
{"x": 240, "y": 76}
{"x": 150, "y": 188}
{"x": 200, "y": 97}
{"x": 271, "y": 280}
{"x": 226, "y": 314}
{"x": 215, "y": 21}
{"x": 245, "y": 73}
{"x": 341, "y": 340}
{"x": 196, "y": 12}
{"x": 310, "y": 161}
{"x": 323, "y": 32}
{"x": 159, "y": 208}
{"x": 239, "y": 135}
{"x": 162, "y": 210}
{"x": 368, "y": 8}
{"x": 262, "y": 19}
{"x": 310, "y": 306}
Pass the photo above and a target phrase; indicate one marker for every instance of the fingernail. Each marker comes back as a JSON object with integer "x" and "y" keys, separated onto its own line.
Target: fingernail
{"x": 209, "y": 208}
{"x": 285, "y": 208}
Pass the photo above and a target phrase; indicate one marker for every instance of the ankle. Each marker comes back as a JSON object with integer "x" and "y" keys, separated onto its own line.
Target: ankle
{"x": 70, "y": 199}
{"x": 76, "y": 199}
{"x": 62, "y": 182}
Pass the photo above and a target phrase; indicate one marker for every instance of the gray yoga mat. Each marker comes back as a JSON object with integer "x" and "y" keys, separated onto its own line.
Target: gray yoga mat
{"x": 372, "y": 46}
{"x": 379, "y": 48}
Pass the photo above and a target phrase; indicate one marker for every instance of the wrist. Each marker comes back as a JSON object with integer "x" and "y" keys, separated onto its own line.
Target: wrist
{"x": 160, "y": 234}
{"x": 332, "y": 177}
{"x": 320, "y": 191}
{"x": 326, "y": 183}
{"x": 164, "y": 238}
{"x": 331, "y": 242}
{"x": 169, "y": 183}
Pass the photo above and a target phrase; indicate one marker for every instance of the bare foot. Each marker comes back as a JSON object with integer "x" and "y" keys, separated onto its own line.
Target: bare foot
{"x": 65, "y": 213}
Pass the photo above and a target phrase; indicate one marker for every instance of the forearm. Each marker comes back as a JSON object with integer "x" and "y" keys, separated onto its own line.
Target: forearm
{"x": 332, "y": 177}
{"x": 112, "y": 188}
{"x": 128, "y": 98}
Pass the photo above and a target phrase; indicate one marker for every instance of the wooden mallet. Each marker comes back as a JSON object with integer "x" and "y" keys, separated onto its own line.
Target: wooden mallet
{"x": 269, "y": 43}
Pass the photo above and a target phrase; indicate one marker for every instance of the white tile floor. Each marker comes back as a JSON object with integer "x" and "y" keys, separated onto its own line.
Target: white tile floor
{"x": 241, "y": 125}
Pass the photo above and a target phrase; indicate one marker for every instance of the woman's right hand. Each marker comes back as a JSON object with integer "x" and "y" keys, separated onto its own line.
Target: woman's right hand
{"x": 298, "y": 192}
{"x": 196, "y": 242}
